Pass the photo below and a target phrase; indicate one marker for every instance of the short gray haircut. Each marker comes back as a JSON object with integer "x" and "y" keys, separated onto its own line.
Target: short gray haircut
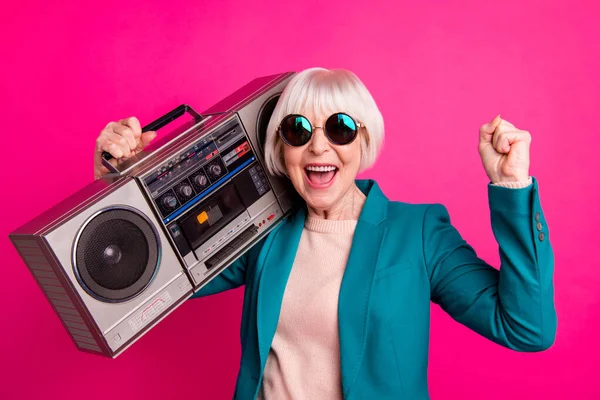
{"x": 323, "y": 91}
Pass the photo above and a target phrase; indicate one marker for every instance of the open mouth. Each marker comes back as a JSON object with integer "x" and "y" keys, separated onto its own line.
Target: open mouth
{"x": 321, "y": 175}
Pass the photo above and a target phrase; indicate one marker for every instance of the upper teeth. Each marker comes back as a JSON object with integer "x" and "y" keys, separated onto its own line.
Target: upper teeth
{"x": 321, "y": 169}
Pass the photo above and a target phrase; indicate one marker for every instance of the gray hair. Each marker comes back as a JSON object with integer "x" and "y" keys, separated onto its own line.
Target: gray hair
{"x": 323, "y": 91}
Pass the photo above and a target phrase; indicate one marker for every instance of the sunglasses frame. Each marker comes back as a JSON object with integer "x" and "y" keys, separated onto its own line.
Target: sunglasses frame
{"x": 312, "y": 129}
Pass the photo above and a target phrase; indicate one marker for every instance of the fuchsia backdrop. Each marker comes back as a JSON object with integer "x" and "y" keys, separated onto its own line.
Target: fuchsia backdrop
{"x": 438, "y": 70}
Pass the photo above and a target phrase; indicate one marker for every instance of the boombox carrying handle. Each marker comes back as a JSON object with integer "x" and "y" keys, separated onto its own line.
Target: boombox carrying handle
{"x": 152, "y": 126}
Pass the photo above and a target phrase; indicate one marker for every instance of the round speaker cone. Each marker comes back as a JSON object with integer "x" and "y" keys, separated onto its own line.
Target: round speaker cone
{"x": 112, "y": 254}
{"x": 116, "y": 254}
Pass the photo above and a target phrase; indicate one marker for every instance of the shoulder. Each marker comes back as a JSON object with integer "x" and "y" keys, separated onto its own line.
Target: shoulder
{"x": 379, "y": 207}
{"x": 412, "y": 217}
{"x": 401, "y": 210}
{"x": 402, "y": 213}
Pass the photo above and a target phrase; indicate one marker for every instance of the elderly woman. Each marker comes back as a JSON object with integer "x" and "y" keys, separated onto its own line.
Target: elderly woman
{"x": 337, "y": 296}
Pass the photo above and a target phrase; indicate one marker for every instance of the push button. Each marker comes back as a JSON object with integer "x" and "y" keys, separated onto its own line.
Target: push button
{"x": 202, "y": 217}
{"x": 116, "y": 338}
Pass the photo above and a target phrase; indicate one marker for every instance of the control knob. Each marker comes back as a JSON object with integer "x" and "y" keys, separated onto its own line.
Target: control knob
{"x": 215, "y": 169}
{"x": 200, "y": 180}
{"x": 170, "y": 201}
{"x": 185, "y": 191}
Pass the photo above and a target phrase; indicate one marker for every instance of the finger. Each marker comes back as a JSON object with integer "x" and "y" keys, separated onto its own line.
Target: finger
{"x": 506, "y": 126}
{"x": 486, "y": 131}
{"x": 110, "y": 147}
{"x": 101, "y": 139}
{"x": 121, "y": 142}
{"x": 111, "y": 125}
{"x": 505, "y": 140}
{"x": 134, "y": 124}
{"x": 503, "y": 127}
{"x": 127, "y": 133}
{"x": 498, "y": 134}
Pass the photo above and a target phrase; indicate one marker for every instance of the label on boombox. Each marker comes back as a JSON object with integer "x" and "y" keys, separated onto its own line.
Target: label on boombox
{"x": 214, "y": 199}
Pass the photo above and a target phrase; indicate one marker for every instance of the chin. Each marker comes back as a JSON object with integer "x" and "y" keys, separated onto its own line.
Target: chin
{"x": 321, "y": 203}
{"x": 319, "y": 196}
{"x": 322, "y": 199}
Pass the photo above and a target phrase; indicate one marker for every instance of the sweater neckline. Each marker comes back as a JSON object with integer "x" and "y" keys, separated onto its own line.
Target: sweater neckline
{"x": 321, "y": 225}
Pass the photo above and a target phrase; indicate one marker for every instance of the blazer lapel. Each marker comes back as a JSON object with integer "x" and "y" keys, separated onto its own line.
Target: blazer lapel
{"x": 274, "y": 276}
{"x": 355, "y": 291}
{"x": 355, "y": 288}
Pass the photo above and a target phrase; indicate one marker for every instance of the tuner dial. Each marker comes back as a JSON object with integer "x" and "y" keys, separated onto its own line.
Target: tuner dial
{"x": 200, "y": 180}
{"x": 170, "y": 201}
{"x": 215, "y": 169}
{"x": 186, "y": 191}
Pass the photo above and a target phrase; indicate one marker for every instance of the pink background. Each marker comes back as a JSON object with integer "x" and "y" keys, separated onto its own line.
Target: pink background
{"x": 438, "y": 71}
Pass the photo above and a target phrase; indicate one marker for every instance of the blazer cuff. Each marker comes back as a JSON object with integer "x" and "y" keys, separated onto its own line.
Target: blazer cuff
{"x": 515, "y": 185}
{"x": 512, "y": 200}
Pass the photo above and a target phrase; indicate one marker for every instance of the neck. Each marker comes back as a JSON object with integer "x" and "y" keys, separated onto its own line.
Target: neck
{"x": 348, "y": 207}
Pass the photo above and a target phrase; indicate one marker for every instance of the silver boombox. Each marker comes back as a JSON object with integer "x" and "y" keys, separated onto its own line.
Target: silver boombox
{"x": 119, "y": 255}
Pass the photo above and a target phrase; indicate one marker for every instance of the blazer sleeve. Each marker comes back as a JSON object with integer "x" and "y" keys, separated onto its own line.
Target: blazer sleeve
{"x": 512, "y": 306}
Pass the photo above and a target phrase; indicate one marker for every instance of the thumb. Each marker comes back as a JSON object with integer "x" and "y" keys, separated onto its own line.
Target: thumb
{"x": 486, "y": 132}
{"x": 146, "y": 138}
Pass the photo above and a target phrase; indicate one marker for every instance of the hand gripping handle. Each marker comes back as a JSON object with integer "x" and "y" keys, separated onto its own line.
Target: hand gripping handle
{"x": 154, "y": 125}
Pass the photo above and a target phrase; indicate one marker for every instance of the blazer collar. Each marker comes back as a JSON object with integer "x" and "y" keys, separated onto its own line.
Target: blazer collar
{"x": 375, "y": 208}
{"x": 355, "y": 287}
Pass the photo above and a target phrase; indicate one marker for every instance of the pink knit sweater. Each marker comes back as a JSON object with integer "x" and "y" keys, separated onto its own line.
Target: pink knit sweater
{"x": 304, "y": 360}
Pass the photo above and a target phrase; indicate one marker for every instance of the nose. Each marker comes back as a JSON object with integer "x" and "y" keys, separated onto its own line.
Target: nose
{"x": 318, "y": 143}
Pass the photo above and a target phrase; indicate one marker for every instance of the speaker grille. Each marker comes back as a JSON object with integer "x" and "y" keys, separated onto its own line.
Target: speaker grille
{"x": 67, "y": 311}
{"x": 116, "y": 254}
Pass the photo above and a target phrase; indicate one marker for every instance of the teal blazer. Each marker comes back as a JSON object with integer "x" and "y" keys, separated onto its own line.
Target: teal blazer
{"x": 403, "y": 256}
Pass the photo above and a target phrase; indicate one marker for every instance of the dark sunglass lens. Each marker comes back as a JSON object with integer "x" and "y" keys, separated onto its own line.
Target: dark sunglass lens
{"x": 341, "y": 128}
{"x": 296, "y": 130}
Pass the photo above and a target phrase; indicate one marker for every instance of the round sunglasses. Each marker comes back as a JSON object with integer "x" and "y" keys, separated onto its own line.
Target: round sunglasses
{"x": 340, "y": 129}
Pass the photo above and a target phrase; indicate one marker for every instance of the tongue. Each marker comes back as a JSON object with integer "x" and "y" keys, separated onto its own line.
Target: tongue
{"x": 320, "y": 178}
